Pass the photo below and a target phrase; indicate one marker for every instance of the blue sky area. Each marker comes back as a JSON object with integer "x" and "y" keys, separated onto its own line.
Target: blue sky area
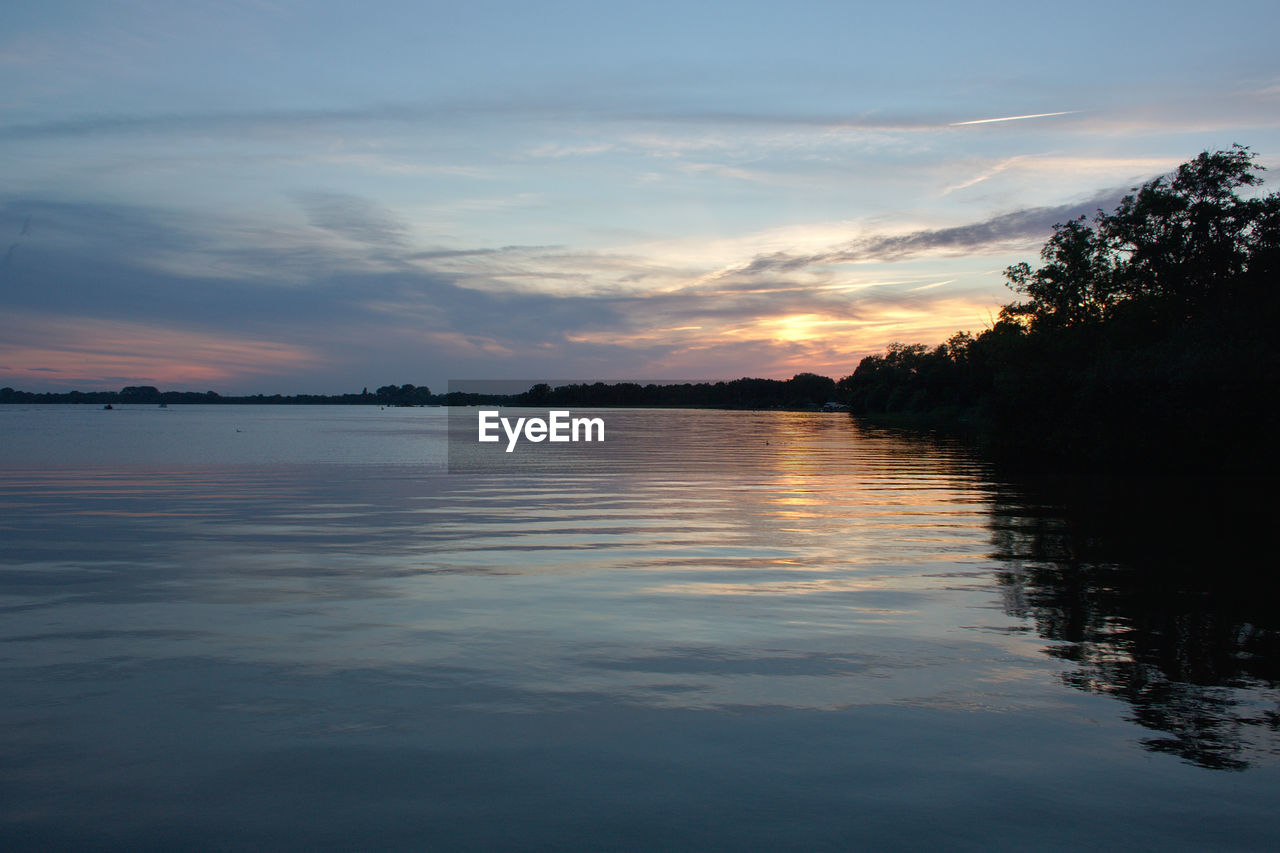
{"x": 317, "y": 197}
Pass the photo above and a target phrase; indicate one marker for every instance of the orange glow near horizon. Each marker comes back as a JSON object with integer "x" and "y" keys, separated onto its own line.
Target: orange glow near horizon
{"x": 82, "y": 351}
{"x": 47, "y": 352}
{"x": 779, "y": 347}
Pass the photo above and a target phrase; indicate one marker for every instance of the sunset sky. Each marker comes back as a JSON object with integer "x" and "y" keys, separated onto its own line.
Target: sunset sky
{"x": 316, "y": 197}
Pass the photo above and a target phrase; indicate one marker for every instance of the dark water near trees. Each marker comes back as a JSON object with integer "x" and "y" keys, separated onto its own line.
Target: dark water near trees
{"x": 290, "y": 628}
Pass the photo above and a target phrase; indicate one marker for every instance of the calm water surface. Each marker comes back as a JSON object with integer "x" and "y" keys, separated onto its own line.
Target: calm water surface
{"x": 229, "y": 627}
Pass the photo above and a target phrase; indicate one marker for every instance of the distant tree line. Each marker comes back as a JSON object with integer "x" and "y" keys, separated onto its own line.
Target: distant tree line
{"x": 1146, "y": 338}
{"x": 803, "y": 391}
{"x": 388, "y": 395}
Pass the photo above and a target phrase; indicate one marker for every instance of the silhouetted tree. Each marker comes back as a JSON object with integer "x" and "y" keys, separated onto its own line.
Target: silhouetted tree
{"x": 1076, "y": 284}
{"x": 403, "y": 395}
{"x": 1144, "y": 337}
{"x": 140, "y": 394}
{"x": 810, "y": 389}
{"x": 1182, "y": 240}
{"x": 1175, "y": 244}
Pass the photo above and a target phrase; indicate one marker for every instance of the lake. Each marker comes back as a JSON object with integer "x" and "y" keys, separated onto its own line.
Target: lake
{"x": 293, "y": 628}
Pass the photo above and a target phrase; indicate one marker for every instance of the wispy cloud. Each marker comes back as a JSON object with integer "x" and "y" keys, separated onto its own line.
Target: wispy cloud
{"x": 1004, "y": 232}
{"x": 84, "y": 351}
{"x": 602, "y": 111}
{"x": 982, "y": 176}
{"x": 355, "y": 218}
{"x": 206, "y": 298}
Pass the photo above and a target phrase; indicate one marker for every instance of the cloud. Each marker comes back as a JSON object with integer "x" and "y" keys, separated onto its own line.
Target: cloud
{"x": 455, "y": 254}
{"x": 13, "y": 247}
{"x": 1189, "y": 109}
{"x": 87, "y": 350}
{"x": 1003, "y": 232}
{"x": 119, "y": 291}
{"x": 983, "y": 176}
{"x": 352, "y": 217}
{"x": 230, "y": 123}
{"x": 239, "y": 122}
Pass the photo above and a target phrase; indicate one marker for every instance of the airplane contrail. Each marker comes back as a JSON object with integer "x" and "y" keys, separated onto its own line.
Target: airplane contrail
{"x": 1012, "y": 118}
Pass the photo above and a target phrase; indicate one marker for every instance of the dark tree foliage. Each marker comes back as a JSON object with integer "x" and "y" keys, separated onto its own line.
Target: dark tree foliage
{"x": 149, "y": 395}
{"x": 1077, "y": 283}
{"x": 1144, "y": 339}
{"x": 403, "y": 395}
{"x": 1176, "y": 246}
{"x": 802, "y": 391}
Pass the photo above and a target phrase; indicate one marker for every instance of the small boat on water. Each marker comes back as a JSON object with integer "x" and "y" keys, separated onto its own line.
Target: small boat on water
{"x": 108, "y": 407}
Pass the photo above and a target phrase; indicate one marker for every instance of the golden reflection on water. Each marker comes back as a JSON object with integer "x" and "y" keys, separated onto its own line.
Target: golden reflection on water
{"x": 753, "y": 536}
{"x": 770, "y": 558}
{"x": 773, "y": 621}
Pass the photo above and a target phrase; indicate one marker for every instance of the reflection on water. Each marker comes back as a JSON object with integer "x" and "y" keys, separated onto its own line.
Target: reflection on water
{"x": 1157, "y": 593}
{"x": 1157, "y": 596}
{"x": 750, "y": 629}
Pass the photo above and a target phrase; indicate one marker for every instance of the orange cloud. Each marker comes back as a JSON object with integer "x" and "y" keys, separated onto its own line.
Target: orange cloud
{"x": 780, "y": 346}
{"x": 62, "y": 350}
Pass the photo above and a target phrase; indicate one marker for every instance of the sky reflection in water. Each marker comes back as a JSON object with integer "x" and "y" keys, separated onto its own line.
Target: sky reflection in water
{"x": 776, "y": 626}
